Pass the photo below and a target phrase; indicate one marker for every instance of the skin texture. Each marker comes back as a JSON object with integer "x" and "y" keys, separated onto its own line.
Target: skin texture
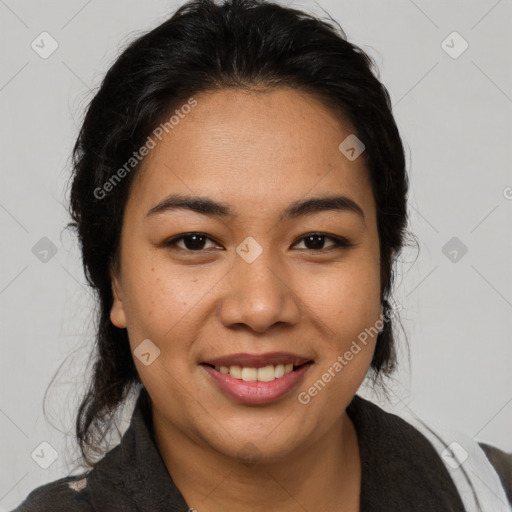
{"x": 257, "y": 151}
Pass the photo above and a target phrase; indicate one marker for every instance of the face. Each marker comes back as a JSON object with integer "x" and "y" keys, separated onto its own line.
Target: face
{"x": 254, "y": 281}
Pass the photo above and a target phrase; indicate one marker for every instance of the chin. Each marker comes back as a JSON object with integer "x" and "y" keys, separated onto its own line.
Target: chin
{"x": 252, "y": 445}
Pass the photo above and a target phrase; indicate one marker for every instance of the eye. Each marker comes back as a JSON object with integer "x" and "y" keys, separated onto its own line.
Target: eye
{"x": 315, "y": 241}
{"x": 192, "y": 241}
{"x": 196, "y": 242}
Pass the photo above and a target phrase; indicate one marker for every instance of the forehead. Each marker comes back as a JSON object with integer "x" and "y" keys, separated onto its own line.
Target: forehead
{"x": 254, "y": 149}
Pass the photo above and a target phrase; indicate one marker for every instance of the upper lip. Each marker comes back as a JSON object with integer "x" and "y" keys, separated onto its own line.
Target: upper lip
{"x": 258, "y": 360}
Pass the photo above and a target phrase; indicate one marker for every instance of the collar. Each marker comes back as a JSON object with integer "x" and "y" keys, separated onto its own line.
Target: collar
{"x": 133, "y": 476}
{"x": 401, "y": 471}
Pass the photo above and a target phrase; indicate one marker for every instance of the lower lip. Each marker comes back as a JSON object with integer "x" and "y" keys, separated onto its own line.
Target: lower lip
{"x": 256, "y": 392}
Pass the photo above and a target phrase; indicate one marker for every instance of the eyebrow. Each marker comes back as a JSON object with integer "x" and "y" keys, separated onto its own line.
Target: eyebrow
{"x": 207, "y": 206}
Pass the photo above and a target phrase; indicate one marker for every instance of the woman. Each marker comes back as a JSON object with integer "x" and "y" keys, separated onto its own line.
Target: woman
{"x": 239, "y": 193}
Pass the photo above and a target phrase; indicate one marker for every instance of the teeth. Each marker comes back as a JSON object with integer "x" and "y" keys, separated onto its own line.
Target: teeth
{"x": 266, "y": 373}
{"x": 235, "y": 371}
{"x": 263, "y": 374}
{"x": 249, "y": 374}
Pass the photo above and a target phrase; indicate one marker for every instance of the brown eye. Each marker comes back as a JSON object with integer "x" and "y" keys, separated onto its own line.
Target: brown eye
{"x": 191, "y": 241}
{"x": 316, "y": 241}
{"x": 196, "y": 242}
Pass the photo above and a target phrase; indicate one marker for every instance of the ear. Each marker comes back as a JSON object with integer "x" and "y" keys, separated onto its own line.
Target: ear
{"x": 117, "y": 313}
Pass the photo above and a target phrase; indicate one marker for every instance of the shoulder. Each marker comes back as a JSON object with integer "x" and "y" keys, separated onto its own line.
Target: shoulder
{"x": 400, "y": 435}
{"x": 68, "y": 494}
{"x": 502, "y": 463}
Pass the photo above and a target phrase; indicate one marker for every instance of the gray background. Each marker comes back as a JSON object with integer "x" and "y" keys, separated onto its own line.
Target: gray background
{"x": 455, "y": 118}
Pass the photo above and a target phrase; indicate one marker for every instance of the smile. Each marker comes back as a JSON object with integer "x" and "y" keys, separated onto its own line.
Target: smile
{"x": 263, "y": 374}
{"x": 255, "y": 381}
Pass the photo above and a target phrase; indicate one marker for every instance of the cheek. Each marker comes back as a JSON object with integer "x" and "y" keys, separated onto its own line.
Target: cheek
{"x": 162, "y": 307}
{"x": 159, "y": 298}
{"x": 347, "y": 298}
{"x": 168, "y": 303}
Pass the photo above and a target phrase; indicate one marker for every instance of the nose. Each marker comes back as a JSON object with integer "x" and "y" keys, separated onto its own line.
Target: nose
{"x": 259, "y": 295}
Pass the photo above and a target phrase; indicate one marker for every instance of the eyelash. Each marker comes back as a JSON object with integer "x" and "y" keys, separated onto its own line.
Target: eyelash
{"x": 339, "y": 242}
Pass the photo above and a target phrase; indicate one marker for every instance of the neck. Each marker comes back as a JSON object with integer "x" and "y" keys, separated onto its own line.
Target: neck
{"x": 320, "y": 476}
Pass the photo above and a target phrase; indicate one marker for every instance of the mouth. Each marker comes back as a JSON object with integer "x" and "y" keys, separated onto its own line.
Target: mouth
{"x": 257, "y": 379}
{"x": 266, "y": 373}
